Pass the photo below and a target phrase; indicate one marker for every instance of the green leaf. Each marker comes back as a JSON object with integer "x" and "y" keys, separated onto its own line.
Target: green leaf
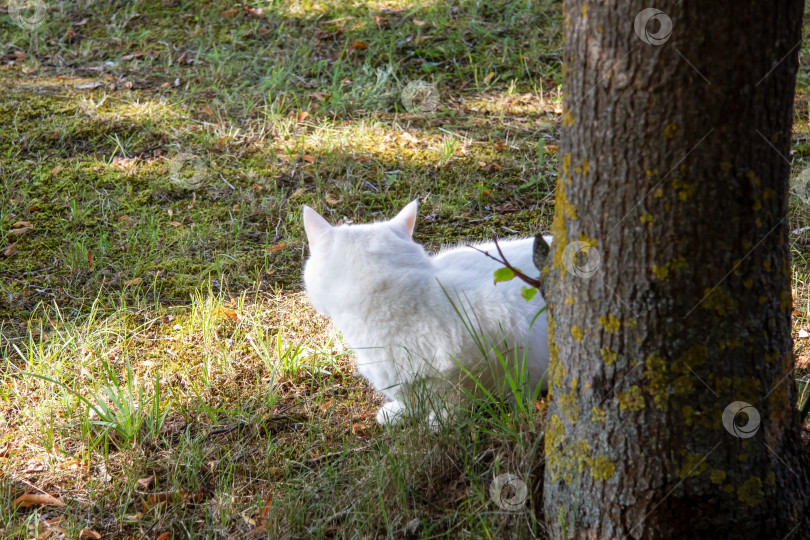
{"x": 528, "y": 292}
{"x": 503, "y": 274}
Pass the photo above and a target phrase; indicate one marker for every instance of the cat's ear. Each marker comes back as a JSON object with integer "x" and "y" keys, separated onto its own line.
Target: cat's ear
{"x": 316, "y": 227}
{"x": 406, "y": 219}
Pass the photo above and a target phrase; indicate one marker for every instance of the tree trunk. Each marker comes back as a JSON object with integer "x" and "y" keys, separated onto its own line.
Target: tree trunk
{"x": 673, "y": 402}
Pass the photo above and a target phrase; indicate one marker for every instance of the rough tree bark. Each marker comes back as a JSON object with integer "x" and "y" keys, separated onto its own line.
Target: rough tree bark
{"x": 669, "y": 280}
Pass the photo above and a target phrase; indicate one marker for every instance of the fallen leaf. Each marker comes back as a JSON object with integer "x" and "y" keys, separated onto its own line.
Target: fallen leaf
{"x": 10, "y": 250}
{"x": 125, "y": 219}
{"x": 485, "y": 192}
{"x": 359, "y": 45}
{"x": 417, "y": 22}
{"x": 382, "y": 22}
{"x": 208, "y": 110}
{"x": 505, "y": 208}
{"x": 358, "y": 428}
{"x": 552, "y": 148}
{"x": 81, "y": 22}
{"x": 489, "y": 77}
{"x": 175, "y": 224}
{"x": 278, "y": 247}
{"x": 19, "y": 231}
{"x": 493, "y": 167}
{"x": 89, "y": 258}
{"x": 146, "y": 481}
{"x": 482, "y": 164}
{"x": 164, "y": 536}
{"x": 34, "y": 499}
{"x": 56, "y": 170}
{"x": 266, "y": 507}
{"x": 230, "y": 313}
{"x": 300, "y": 117}
{"x": 331, "y": 199}
{"x": 317, "y": 95}
{"x": 136, "y": 54}
{"x": 229, "y": 13}
{"x": 89, "y": 533}
{"x": 247, "y": 519}
{"x": 22, "y": 224}
{"x": 500, "y": 145}
{"x": 88, "y": 86}
{"x": 308, "y": 158}
{"x": 298, "y": 192}
{"x": 155, "y": 499}
{"x": 133, "y": 281}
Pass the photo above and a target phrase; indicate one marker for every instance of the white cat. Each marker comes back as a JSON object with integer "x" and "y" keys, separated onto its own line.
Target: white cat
{"x": 413, "y": 319}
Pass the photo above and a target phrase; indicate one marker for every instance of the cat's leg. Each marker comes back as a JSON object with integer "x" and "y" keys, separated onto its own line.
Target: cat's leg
{"x": 391, "y": 413}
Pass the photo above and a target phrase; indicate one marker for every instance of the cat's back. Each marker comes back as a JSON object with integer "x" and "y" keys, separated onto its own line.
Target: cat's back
{"x": 468, "y": 259}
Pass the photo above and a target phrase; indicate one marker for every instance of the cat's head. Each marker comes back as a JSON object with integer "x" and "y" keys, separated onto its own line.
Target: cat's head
{"x": 347, "y": 262}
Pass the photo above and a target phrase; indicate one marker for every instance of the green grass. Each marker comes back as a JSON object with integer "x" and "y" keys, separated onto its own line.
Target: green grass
{"x": 163, "y": 371}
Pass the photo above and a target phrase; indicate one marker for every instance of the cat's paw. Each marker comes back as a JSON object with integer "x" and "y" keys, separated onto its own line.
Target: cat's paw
{"x": 391, "y": 413}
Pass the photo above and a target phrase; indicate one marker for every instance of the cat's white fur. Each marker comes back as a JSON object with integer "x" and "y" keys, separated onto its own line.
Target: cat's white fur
{"x": 408, "y": 315}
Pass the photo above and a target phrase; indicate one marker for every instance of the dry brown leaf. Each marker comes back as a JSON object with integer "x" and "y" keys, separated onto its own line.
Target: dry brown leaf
{"x": 34, "y": 499}
{"x": 89, "y": 258}
{"x": 20, "y": 231}
{"x": 278, "y": 247}
{"x": 359, "y": 45}
{"x": 56, "y": 170}
{"x": 164, "y": 536}
{"x": 500, "y": 145}
{"x": 208, "y": 110}
{"x": 552, "y": 148}
{"x": 382, "y": 22}
{"x": 133, "y": 281}
{"x": 226, "y": 312}
{"x": 126, "y": 219}
{"x": 229, "y": 13}
{"x": 146, "y": 481}
{"x": 266, "y": 507}
{"x": 298, "y": 192}
{"x": 154, "y": 499}
{"x": 89, "y": 533}
{"x": 318, "y": 96}
{"x": 175, "y": 224}
{"x": 10, "y": 250}
{"x": 22, "y": 224}
{"x": 489, "y": 77}
{"x": 331, "y": 199}
{"x": 308, "y": 158}
{"x": 300, "y": 117}
{"x": 420, "y": 24}
{"x": 358, "y": 428}
{"x": 506, "y": 208}
{"x": 493, "y": 167}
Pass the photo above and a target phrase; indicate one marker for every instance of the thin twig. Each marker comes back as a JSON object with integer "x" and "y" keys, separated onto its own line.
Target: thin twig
{"x": 523, "y": 277}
